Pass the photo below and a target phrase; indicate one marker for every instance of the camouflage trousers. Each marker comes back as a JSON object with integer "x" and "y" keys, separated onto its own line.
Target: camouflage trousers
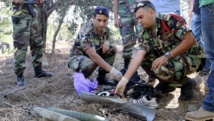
{"x": 127, "y": 30}
{"x": 173, "y": 71}
{"x": 82, "y": 63}
{"x": 25, "y": 33}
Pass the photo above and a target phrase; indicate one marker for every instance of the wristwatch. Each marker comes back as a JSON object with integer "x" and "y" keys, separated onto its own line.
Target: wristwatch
{"x": 167, "y": 54}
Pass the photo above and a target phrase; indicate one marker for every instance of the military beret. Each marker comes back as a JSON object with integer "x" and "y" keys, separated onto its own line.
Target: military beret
{"x": 102, "y": 10}
{"x": 143, "y": 4}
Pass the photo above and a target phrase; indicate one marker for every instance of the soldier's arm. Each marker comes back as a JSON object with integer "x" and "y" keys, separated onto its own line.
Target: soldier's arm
{"x": 88, "y": 46}
{"x": 97, "y": 59}
{"x": 116, "y": 19}
{"x": 105, "y": 46}
{"x": 40, "y": 1}
{"x": 186, "y": 36}
{"x": 115, "y": 8}
{"x": 18, "y": 1}
{"x": 187, "y": 42}
{"x": 135, "y": 63}
{"x": 191, "y": 8}
{"x": 3, "y": 0}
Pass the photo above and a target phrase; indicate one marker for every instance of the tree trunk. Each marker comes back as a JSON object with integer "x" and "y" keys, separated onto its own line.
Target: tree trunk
{"x": 56, "y": 33}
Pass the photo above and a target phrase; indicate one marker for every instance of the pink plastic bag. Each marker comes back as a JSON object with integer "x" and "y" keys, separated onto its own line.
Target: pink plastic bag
{"x": 83, "y": 84}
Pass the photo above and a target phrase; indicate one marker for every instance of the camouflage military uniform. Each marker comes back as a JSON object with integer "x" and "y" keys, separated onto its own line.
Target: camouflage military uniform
{"x": 25, "y": 32}
{"x": 87, "y": 38}
{"x": 128, "y": 22}
{"x": 157, "y": 41}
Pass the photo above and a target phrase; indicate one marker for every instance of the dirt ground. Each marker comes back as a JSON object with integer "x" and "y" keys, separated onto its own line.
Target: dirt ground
{"x": 58, "y": 91}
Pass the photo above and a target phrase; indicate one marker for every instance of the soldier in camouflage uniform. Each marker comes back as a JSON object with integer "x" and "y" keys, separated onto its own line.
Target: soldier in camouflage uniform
{"x": 128, "y": 25}
{"x": 93, "y": 47}
{"x": 168, "y": 51}
{"x": 25, "y": 32}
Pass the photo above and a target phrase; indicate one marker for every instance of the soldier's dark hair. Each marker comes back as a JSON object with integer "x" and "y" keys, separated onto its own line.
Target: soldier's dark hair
{"x": 144, "y": 4}
{"x": 102, "y": 11}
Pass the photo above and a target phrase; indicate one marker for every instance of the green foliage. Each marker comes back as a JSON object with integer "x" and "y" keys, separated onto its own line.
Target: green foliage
{"x": 64, "y": 33}
{"x": 78, "y": 13}
{"x": 5, "y": 21}
{"x": 6, "y": 27}
{"x": 83, "y": 12}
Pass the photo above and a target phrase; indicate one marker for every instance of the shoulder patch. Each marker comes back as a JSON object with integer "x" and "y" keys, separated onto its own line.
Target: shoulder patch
{"x": 178, "y": 18}
{"x": 175, "y": 21}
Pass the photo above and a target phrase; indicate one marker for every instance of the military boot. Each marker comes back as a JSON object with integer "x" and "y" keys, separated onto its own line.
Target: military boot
{"x": 41, "y": 73}
{"x": 187, "y": 90}
{"x": 164, "y": 87}
{"x": 135, "y": 78}
{"x": 102, "y": 80}
{"x": 20, "y": 80}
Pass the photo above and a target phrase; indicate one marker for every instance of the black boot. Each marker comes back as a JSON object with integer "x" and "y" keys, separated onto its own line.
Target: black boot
{"x": 102, "y": 80}
{"x": 164, "y": 87}
{"x": 135, "y": 78}
{"x": 187, "y": 90}
{"x": 20, "y": 80}
{"x": 41, "y": 73}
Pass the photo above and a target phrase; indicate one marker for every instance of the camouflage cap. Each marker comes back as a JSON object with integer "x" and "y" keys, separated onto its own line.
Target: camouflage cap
{"x": 143, "y": 4}
{"x": 102, "y": 10}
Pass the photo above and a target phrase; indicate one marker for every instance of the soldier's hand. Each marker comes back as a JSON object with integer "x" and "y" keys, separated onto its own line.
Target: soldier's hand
{"x": 121, "y": 86}
{"x": 18, "y": 1}
{"x": 117, "y": 74}
{"x": 117, "y": 22}
{"x": 158, "y": 62}
{"x": 40, "y": 1}
{"x": 105, "y": 46}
